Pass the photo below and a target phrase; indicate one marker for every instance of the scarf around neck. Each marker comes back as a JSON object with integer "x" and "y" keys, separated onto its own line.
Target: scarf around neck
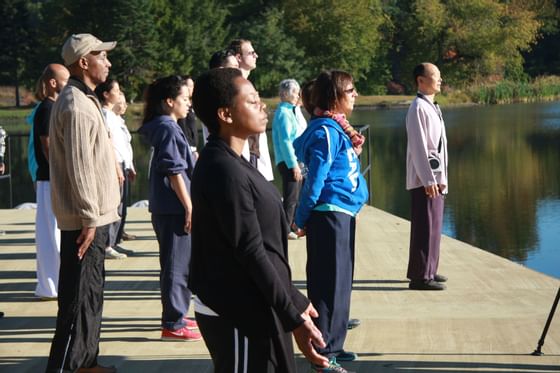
{"x": 356, "y": 138}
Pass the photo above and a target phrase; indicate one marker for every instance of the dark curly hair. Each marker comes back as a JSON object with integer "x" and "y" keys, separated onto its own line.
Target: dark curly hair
{"x": 157, "y": 92}
{"x": 214, "y": 89}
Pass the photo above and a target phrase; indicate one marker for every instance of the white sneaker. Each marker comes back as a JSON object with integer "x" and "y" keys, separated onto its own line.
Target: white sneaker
{"x": 111, "y": 253}
{"x": 292, "y": 236}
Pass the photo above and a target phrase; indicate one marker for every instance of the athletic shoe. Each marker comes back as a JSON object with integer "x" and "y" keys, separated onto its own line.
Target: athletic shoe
{"x": 333, "y": 367}
{"x": 191, "y": 323}
{"x": 353, "y": 323}
{"x": 183, "y": 334}
{"x": 440, "y": 278}
{"x": 346, "y": 356}
{"x": 111, "y": 253}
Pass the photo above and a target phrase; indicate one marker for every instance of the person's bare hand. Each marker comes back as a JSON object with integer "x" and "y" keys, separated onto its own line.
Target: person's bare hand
{"x": 84, "y": 240}
{"x": 120, "y": 176}
{"x": 432, "y": 191}
{"x": 188, "y": 221}
{"x": 296, "y": 171}
{"x": 131, "y": 175}
{"x": 306, "y": 335}
{"x": 300, "y": 232}
{"x": 310, "y": 312}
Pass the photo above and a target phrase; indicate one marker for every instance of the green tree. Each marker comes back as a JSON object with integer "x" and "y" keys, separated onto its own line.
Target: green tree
{"x": 18, "y": 39}
{"x": 544, "y": 57}
{"x": 336, "y": 34}
{"x": 279, "y": 55}
{"x": 470, "y": 40}
{"x": 189, "y": 32}
{"x": 129, "y": 22}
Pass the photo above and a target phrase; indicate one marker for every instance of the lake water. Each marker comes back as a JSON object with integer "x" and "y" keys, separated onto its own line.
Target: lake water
{"x": 504, "y": 176}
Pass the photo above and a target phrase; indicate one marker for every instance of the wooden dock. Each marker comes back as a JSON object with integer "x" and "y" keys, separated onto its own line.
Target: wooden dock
{"x": 489, "y": 319}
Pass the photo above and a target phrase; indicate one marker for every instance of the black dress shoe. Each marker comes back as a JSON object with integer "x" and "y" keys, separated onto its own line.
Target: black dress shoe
{"x": 425, "y": 285}
{"x": 353, "y": 323}
{"x": 440, "y": 278}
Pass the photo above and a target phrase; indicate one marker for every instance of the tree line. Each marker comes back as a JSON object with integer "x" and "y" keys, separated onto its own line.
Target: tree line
{"x": 378, "y": 41}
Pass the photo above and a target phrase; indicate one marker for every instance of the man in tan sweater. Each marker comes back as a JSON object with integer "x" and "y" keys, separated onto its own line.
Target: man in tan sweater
{"x": 85, "y": 197}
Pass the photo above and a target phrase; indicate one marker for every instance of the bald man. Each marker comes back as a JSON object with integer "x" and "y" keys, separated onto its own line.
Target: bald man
{"x": 47, "y": 234}
{"x": 426, "y": 179}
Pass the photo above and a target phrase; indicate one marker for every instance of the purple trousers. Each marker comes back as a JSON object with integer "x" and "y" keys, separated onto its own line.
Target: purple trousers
{"x": 425, "y": 235}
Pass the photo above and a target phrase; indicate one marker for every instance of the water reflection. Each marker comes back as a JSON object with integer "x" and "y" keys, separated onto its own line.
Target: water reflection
{"x": 503, "y": 163}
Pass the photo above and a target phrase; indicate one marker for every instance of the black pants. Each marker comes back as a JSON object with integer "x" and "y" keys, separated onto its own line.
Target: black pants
{"x": 426, "y": 220}
{"x": 174, "y": 261}
{"x": 330, "y": 268}
{"x": 125, "y": 190}
{"x": 290, "y": 191}
{"x": 80, "y": 303}
{"x": 232, "y": 351}
{"x": 116, "y": 229}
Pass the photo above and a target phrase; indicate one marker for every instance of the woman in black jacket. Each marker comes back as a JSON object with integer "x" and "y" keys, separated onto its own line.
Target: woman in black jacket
{"x": 245, "y": 303}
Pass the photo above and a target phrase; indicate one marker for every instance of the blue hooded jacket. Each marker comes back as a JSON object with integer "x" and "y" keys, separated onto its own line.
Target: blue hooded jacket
{"x": 172, "y": 155}
{"x": 334, "y": 179}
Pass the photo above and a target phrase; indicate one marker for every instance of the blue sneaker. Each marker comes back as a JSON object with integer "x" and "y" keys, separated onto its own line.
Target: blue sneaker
{"x": 333, "y": 367}
{"x": 346, "y": 356}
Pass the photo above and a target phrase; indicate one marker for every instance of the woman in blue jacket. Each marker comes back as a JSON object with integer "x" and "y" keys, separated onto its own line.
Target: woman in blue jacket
{"x": 332, "y": 195}
{"x": 171, "y": 168}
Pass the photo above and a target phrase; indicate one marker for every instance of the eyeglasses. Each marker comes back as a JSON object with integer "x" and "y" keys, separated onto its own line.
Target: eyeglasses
{"x": 350, "y": 90}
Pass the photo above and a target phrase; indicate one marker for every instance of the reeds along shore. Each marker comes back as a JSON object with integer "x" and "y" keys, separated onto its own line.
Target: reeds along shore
{"x": 545, "y": 88}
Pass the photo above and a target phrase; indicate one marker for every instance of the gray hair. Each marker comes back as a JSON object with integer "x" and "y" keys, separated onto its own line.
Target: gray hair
{"x": 288, "y": 89}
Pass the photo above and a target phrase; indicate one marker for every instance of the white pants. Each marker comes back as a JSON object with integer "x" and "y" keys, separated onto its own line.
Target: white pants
{"x": 47, "y": 240}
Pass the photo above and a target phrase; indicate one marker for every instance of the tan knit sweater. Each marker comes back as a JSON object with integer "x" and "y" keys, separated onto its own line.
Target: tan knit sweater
{"x": 84, "y": 185}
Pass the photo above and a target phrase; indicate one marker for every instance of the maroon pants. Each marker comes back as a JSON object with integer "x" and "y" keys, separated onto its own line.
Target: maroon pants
{"x": 425, "y": 235}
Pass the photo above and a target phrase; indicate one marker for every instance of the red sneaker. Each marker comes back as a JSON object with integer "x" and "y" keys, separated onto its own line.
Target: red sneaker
{"x": 182, "y": 334}
{"x": 191, "y": 323}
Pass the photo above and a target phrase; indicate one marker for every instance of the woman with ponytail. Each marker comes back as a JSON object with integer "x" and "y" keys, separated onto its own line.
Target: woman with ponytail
{"x": 332, "y": 195}
{"x": 171, "y": 167}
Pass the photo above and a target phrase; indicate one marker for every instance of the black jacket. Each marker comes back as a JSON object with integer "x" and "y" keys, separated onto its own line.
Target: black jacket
{"x": 239, "y": 264}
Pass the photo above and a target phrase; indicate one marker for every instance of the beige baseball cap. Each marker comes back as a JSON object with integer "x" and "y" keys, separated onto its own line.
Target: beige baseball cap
{"x": 78, "y": 45}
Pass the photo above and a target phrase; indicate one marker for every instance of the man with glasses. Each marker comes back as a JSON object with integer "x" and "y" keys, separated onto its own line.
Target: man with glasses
{"x": 256, "y": 148}
{"x": 245, "y": 54}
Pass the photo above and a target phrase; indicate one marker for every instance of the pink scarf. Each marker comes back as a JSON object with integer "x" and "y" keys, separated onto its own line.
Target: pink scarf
{"x": 356, "y": 138}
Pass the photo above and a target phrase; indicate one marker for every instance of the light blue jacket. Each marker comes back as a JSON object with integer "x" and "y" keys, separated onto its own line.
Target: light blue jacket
{"x": 334, "y": 180}
{"x": 284, "y": 129}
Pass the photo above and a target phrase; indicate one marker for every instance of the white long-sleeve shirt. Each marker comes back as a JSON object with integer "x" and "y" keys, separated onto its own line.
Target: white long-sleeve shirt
{"x": 120, "y": 137}
{"x": 425, "y": 127}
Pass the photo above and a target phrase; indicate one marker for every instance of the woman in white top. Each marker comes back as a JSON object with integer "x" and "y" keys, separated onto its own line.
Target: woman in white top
{"x": 109, "y": 95}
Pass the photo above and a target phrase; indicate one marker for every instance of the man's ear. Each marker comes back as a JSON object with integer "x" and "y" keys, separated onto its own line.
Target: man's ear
{"x": 52, "y": 83}
{"x": 83, "y": 63}
{"x": 224, "y": 115}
